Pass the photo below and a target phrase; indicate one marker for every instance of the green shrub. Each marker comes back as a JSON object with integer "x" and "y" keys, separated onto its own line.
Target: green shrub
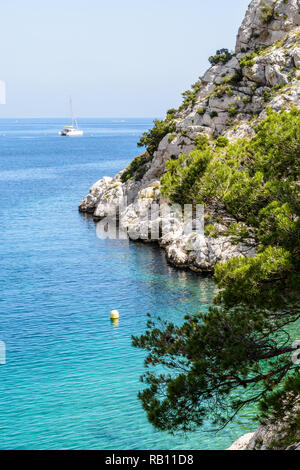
{"x": 201, "y": 142}
{"x": 152, "y": 138}
{"x": 267, "y": 13}
{"x": 201, "y": 111}
{"x": 267, "y": 95}
{"x": 222, "y": 56}
{"x": 171, "y": 112}
{"x": 248, "y": 60}
{"x": 181, "y": 175}
{"x": 137, "y": 168}
{"x": 171, "y": 138}
{"x": 246, "y": 99}
{"x": 222, "y": 141}
{"x": 279, "y": 86}
{"x": 190, "y": 96}
{"x": 233, "y": 109}
{"x": 222, "y": 90}
{"x": 234, "y": 78}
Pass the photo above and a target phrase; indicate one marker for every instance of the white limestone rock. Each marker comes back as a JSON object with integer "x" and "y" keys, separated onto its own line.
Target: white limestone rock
{"x": 274, "y": 76}
{"x": 256, "y": 33}
{"x": 296, "y": 56}
{"x": 256, "y": 73}
{"x": 242, "y": 442}
{"x": 110, "y": 201}
{"x": 88, "y": 204}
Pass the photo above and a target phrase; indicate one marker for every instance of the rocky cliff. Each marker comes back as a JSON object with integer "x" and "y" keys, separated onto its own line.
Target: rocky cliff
{"x": 228, "y": 100}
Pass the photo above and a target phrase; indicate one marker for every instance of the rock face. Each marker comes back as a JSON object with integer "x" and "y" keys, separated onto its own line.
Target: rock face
{"x": 228, "y": 100}
{"x": 279, "y": 432}
{"x": 242, "y": 442}
{"x": 269, "y": 437}
{"x": 266, "y": 22}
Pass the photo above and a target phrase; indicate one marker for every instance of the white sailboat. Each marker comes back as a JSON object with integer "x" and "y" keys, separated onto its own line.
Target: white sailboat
{"x": 73, "y": 130}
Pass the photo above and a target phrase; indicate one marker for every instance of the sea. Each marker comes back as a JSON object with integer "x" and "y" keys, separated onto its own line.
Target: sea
{"x": 71, "y": 377}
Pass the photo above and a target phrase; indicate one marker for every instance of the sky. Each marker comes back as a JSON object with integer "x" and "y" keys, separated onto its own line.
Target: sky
{"x": 117, "y": 58}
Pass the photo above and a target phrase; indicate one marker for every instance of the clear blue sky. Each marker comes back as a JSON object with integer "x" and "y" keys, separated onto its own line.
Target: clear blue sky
{"x": 130, "y": 58}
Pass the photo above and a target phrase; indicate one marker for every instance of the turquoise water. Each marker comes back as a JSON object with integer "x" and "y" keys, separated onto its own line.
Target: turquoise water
{"x": 71, "y": 377}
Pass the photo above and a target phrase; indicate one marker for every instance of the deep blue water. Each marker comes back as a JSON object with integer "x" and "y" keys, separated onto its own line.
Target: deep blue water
{"x": 71, "y": 376}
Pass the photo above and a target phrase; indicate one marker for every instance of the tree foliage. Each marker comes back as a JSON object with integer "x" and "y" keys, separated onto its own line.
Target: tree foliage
{"x": 137, "y": 168}
{"x": 240, "y": 351}
{"x": 222, "y": 56}
{"x": 151, "y": 138}
{"x": 267, "y": 13}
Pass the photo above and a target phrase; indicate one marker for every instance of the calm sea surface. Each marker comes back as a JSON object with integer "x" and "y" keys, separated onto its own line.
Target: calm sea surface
{"x": 71, "y": 377}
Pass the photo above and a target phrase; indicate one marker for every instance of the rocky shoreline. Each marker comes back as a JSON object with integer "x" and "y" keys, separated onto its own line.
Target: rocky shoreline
{"x": 192, "y": 251}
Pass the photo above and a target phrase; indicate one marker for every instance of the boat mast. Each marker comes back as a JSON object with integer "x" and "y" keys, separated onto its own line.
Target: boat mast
{"x": 74, "y": 120}
{"x": 71, "y": 109}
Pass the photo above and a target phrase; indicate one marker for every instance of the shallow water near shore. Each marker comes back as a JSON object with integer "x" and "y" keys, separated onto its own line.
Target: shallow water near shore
{"x": 71, "y": 376}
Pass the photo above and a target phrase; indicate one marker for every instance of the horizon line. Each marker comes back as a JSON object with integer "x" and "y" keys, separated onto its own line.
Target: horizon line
{"x": 82, "y": 117}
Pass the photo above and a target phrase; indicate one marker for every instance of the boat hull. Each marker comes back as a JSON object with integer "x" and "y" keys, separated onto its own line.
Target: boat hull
{"x": 73, "y": 133}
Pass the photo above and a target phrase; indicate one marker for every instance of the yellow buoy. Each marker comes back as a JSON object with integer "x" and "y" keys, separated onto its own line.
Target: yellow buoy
{"x": 114, "y": 315}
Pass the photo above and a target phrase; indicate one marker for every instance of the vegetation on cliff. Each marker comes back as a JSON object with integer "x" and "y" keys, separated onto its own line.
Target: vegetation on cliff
{"x": 150, "y": 139}
{"x": 239, "y": 352}
{"x": 222, "y": 56}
